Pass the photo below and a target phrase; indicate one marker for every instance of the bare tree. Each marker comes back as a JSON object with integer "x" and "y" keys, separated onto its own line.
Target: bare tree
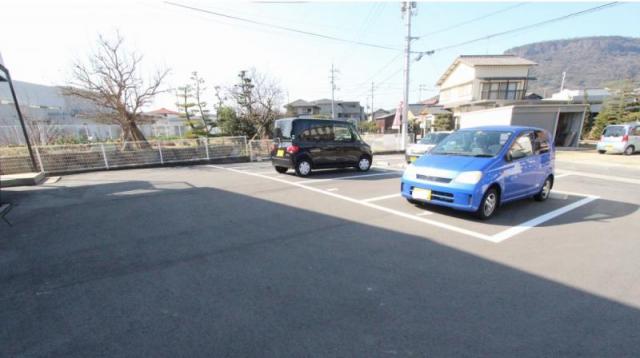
{"x": 110, "y": 78}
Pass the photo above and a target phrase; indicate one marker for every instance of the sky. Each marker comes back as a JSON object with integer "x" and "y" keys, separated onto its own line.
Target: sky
{"x": 39, "y": 40}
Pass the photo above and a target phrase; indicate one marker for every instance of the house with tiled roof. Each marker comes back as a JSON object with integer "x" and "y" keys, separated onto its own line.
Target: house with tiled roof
{"x": 492, "y": 90}
{"x": 347, "y": 110}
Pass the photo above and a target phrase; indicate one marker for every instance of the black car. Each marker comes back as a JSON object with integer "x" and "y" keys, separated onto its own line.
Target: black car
{"x": 305, "y": 144}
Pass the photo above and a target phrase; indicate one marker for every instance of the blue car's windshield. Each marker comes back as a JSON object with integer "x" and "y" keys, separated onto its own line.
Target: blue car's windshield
{"x": 473, "y": 143}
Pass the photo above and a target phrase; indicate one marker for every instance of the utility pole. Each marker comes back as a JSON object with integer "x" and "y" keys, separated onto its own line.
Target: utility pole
{"x": 407, "y": 11}
{"x": 372, "y": 109}
{"x": 333, "y": 89}
{"x": 564, "y": 74}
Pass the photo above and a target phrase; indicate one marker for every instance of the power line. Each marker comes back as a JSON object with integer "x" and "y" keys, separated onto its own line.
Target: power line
{"x": 526, "y": 27}
{"x": 362, "y": 84}
{"x": 283, "y": 28}
{"x": 374, "y": 11}
{"x": 460, "y": 24}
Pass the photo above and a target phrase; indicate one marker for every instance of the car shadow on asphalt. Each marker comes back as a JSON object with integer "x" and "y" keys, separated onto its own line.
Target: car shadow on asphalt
{"x": 521, "y": 211}
{"x": 208, "y": 272}
{"x": 347, "y": 174}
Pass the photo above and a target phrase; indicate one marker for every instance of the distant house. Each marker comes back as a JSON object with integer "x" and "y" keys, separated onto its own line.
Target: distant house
{"x": 348, "y": 110}
{"x": 416, "y": 112}
{"x": 167, "y": 117}
{"x": 378, "y": 113}
{"x": 593, "y": 96}
{"x": 492, "y": 90}
{"x": 476, "y": 79}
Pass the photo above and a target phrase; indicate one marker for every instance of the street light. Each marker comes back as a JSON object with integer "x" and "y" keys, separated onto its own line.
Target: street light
{"x": 6, "y": 77}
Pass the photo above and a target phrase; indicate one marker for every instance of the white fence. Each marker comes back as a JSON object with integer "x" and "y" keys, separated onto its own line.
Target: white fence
{"x": 390, "y": 142}
{"x": 260, "y": 149}
{"x": 105, "y": 156}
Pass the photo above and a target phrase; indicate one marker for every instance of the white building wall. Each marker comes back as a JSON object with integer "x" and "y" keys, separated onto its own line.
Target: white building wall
{"x": 486, "y": 117}
{"x": 501, "y": 71}
{"x": 461, "y": 74}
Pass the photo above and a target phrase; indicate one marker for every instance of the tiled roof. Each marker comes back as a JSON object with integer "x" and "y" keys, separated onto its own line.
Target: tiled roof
{"x": 164, "y": 111}
{"x": 485, "y": 60}
{"x": 495, "y": 60}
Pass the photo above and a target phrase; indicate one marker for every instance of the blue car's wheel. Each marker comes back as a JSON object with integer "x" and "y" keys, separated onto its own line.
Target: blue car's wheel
{"x": 489, "y": 204}
{"x": 544, "y": 191}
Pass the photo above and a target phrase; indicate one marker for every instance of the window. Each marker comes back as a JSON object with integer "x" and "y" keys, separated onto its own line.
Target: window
{"x": 522, "y": 147}
{"x": 541, "y": 142}
{"x": 317, "y": 132}
{"x": 342, "y": 133}
{"x": 635, "y": 131}
{"x": 614, "y": 131}
{"x": 501, "y": 90}
{"x": 475, "y": 143}
{"x": 282, "y": 129}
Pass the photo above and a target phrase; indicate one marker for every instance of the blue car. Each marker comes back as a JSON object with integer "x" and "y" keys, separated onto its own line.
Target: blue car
{"x": 478, "y": 169}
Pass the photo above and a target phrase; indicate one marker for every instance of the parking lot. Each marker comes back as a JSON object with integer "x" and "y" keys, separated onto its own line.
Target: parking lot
{"x": 237, "y": 260}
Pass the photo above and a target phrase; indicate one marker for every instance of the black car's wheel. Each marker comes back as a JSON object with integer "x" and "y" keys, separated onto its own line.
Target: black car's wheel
{"x": 364, "y": 164}
{"x": 489, "y": 204}
{"x": 303, "y": 168}
{"x": 544, "y": 191}
{"x": 281, "y": 170}
{"x": 629, "y": 150}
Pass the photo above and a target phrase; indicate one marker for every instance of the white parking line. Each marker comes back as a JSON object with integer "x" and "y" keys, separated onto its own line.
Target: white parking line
{"x": 601, "y": 176}
{"x": 332, "y": 189}
{"x": 424, "y": 213}
{"x": 383, "y": 197}
{"x": 312, "y": 181}
{"x": 370, "y": 205}
{"x": 387, "y": 168}
{"x": 562, "y": 175}
{"x": 509, "y": 233}
{"x": 496, "y": 238}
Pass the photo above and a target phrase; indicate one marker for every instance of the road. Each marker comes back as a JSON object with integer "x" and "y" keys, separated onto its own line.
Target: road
{"x": 237, "y": 260}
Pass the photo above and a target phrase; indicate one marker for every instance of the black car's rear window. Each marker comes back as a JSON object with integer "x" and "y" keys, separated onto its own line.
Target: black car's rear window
{"x": 282, "y": 129}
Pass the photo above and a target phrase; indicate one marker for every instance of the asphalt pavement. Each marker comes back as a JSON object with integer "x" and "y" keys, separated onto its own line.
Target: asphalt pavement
{"x": 237, "y": 260}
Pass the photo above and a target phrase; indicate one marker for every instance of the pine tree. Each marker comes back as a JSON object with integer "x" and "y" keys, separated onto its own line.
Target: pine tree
{"x": 622, "y": 106}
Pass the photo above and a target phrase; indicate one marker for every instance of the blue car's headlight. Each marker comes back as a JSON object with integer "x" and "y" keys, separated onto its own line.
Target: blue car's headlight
{"x": 468, "y": 177}
{"x": 410, "y": 172}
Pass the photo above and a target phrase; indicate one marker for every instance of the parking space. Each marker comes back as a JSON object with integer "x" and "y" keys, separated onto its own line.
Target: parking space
{"x": 238, "y": 260}
{"x": 378, "y": 189}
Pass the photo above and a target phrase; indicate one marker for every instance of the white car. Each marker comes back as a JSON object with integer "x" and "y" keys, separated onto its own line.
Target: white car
{"x": 424, "y": 145}
{"x": 620, "y": 138}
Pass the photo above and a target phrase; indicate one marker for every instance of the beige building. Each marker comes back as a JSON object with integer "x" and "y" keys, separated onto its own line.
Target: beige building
{"x": 491, "y": 90}
{"x": 473, "y": 79}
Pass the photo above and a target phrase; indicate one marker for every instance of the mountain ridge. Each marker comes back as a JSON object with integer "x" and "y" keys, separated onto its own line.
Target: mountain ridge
{"x": 590, "y": 62}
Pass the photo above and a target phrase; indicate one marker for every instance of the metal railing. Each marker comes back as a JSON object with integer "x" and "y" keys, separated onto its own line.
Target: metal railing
{"x": 105, "y": 156}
